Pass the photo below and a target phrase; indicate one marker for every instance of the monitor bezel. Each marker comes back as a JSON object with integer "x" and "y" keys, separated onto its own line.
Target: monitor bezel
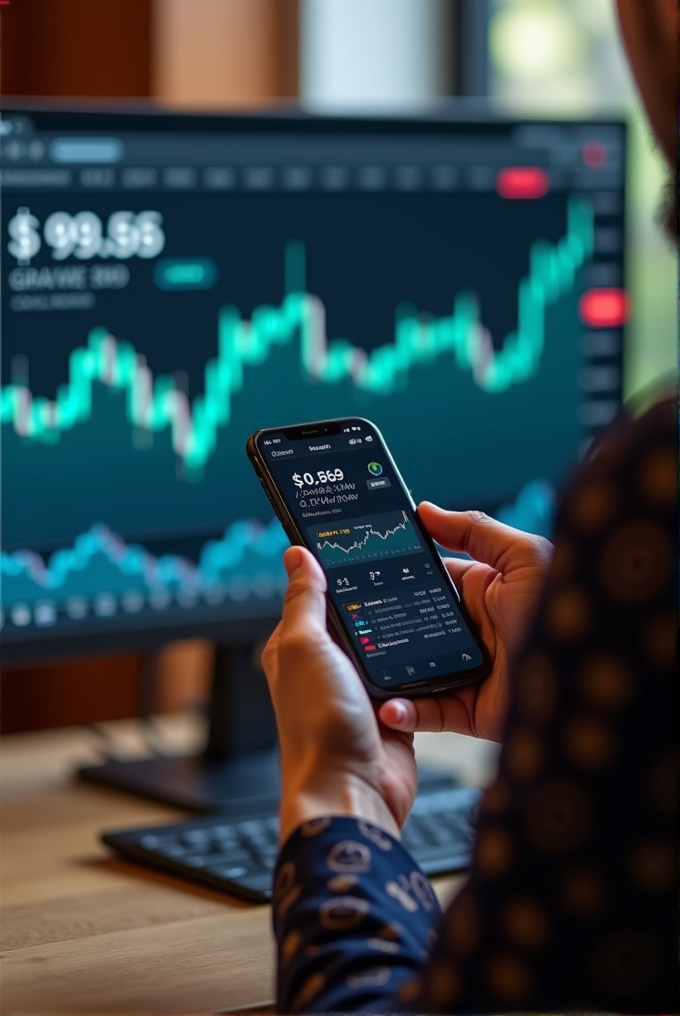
{"x": 251, "y": 622}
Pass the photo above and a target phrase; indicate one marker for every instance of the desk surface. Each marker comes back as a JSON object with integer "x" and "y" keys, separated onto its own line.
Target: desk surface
{"x": 83, "y": 932}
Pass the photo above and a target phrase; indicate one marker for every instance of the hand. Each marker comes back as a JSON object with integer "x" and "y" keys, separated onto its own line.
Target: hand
{"x": 336, "y": 758}
{"x": 499, "y": 588}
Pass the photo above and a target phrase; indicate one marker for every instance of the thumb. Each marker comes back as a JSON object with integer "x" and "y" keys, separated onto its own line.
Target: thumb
{"x": 480, "y": 536}
{"x": 304, "y": 605}
{"x": 434, "y": 713}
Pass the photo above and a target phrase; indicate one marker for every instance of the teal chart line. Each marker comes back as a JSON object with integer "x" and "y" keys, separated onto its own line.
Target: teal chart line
{"x": 99, "y": 559}
{"x": 156, "y": 403}
{"x": 245, "y": 561}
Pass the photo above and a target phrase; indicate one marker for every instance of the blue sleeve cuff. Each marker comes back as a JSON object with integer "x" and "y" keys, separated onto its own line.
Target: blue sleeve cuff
{"x": 354, "y": 918}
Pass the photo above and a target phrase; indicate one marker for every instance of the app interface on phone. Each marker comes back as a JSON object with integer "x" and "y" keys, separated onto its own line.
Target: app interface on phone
{"x": 396, "y": 605}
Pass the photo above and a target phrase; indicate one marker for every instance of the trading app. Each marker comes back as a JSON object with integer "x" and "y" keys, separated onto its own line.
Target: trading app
{"x": 398, "y": 609}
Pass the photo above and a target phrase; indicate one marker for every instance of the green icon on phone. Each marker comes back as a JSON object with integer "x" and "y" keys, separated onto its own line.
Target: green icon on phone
{"x": 375, "y": 469}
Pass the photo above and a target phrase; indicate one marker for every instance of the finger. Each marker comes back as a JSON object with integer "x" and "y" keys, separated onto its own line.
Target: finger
{"x": 458, "y": 569}
{"x": 431, "y": 714}
{"x": 304, "y": 605}
{"x": 474, "y": 533}
{"x": 270, "y": 651}
{"x": 472, "y": 581}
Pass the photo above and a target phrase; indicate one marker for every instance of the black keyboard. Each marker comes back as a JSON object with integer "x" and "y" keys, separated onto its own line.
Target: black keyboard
{"x": 237, "y": 855}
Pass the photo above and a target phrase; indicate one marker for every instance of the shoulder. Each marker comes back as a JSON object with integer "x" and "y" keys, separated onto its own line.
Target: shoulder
{"x": 631, "y": 472}
{"x": 612, "y": 579}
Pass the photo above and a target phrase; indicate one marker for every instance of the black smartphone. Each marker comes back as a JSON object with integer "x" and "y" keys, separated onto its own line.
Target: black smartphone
{"x": 391, "y": 602}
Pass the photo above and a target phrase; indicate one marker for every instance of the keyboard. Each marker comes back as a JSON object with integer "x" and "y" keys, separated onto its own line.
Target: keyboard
{"x": 236, "y": 854}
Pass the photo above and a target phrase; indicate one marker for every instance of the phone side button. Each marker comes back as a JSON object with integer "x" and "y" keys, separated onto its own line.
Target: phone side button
{"x": 284, "y": 524}
{"x": 264, "y": 488}
{"x": 274, "y": 507}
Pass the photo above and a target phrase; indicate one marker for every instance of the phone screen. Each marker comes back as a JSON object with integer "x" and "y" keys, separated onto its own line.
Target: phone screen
{"x": 385, "y": 579}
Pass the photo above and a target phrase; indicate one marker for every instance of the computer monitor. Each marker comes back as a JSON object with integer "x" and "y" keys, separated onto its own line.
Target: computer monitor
{"x": 172, "y": 282}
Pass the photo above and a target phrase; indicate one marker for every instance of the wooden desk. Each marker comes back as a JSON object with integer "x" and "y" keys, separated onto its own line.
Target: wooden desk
{"x": 84, "y": 933}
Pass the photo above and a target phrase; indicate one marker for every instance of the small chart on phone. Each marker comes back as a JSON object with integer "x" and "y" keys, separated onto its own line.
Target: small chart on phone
{"x": 356, "y": 541}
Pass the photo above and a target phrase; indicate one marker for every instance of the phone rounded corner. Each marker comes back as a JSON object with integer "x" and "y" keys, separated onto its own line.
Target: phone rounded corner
{"x": 375, "y": 692}
{"x": 253, "y": 440}
{"x": 251, "y": 445}
{"x": 378, "y": 431}
{"x": 482, "y": 672}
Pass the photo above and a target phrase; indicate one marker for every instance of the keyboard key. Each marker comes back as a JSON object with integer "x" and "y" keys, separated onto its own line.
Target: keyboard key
{"x": 229, "y": 873}
{"x": 170, "y": 850}
{"x": 150, "y": 842}
{"x": 224, "y": 843}
{"x": 413, "y": 838}
{"x": 229, "y": 857}
{"x": 259, "y": 883}
{"x": 249, "y": 828}
{"x": 267, "y": 859}
{"x": 222, "y": 829}
{"x": 195, "y": 838}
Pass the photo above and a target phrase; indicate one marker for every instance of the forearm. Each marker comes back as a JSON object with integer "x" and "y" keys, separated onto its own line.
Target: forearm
{"x": 312, "y": 798}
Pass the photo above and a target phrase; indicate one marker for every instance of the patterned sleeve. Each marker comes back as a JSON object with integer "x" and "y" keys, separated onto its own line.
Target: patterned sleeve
{"x": 354, "y": 919}
{"x": 572, "y": 903}
{"x": 572, "y": 900}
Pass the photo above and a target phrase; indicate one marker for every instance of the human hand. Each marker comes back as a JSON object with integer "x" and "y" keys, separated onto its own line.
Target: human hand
{"x": 336, "y": 758}
{"x": 499, "y": 588}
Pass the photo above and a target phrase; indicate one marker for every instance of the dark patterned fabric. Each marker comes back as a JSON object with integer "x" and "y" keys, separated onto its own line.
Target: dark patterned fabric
{"x": 354, "y": 917}
{"x": 572, "y": 899}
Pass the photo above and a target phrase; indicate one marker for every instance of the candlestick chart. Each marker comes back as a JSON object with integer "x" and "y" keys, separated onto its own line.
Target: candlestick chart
{"x": 154, "y": 404}
{"x": 126, "y": 482}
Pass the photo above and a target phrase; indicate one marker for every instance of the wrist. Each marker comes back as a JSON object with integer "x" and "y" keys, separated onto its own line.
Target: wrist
{"x": 343, "y": 794}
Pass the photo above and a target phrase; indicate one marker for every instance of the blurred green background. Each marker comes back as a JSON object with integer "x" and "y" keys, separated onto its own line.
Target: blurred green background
{"x": 565, "y": 57}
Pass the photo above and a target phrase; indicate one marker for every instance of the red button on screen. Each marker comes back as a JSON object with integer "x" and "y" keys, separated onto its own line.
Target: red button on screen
{"x": 595, "y": 154}
{"x": 523, "y": 183}
{"x": 605, "y": 308}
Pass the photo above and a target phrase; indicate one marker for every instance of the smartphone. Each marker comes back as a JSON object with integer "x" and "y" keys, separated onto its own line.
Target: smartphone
{"x": 391, "y": 603}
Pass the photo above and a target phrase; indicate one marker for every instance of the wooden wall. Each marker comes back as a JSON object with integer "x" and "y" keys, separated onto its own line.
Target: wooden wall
{"x": 181, "y": 52}
{"x": 224, "y": 52}
{"x": 79, "y": 48}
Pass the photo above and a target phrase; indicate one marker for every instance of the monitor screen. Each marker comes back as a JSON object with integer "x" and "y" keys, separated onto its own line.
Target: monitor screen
{"x": 171, "y": 283}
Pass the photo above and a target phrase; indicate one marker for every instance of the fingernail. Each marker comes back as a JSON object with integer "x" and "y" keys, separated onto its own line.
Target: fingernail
{"x": 292, "y": 560}
{"x": 433, "y": 507}
{"x": 400, "y": 712}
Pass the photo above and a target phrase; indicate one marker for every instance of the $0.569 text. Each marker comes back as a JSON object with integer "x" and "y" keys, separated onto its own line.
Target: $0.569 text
{"x": 323, "y": 476}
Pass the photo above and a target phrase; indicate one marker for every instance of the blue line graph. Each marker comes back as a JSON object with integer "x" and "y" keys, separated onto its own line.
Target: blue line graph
{"x": 246, "y": 561}
{"x": 102, "y": 572}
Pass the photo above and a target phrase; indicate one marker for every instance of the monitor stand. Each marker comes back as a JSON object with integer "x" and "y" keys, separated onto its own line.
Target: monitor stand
{"x": 239, "y": 768}
{"x": 239, "y": 764}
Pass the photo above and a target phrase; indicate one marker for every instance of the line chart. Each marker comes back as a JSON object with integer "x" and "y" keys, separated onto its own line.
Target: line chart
{"x": 244, "y": 562}
{"x": 154, "y": 403}
{"x": 99, "y": 573}
{"x": 352, "y": 541}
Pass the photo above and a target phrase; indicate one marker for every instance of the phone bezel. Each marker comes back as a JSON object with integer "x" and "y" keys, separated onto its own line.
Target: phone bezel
{"x": 413, "y": 689}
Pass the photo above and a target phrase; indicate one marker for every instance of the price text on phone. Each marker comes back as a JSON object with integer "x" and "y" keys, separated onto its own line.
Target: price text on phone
{"x": 323, "y": 476}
